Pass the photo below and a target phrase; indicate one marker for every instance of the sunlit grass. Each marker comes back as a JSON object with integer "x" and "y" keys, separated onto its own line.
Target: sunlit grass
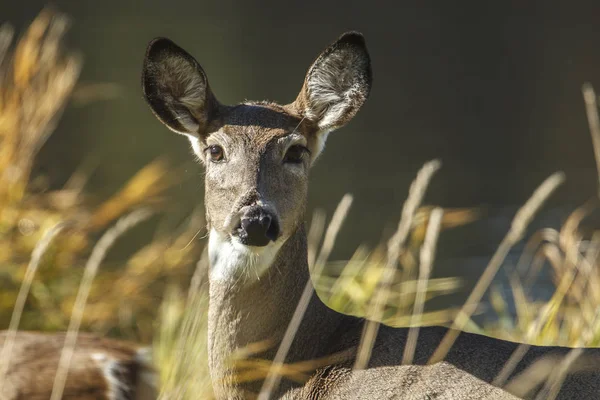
{"x": 181, "y": 348}
{"x": 38, "y": 75}
{"x": 570, "y": 317}
{"x": 146, "y": 296}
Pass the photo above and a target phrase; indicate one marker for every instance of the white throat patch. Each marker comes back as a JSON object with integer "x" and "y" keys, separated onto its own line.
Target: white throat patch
{"x": 230, "y": 260}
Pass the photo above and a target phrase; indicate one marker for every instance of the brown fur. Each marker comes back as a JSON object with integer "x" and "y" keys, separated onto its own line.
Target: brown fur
{"x": 244, "y": 311}
{"x": 34, "y": 361}
{"x": 253, "y": 152}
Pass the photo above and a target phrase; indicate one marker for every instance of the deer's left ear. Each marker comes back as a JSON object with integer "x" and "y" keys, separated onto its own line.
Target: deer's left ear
{"x": 337, "y": 84}
{"x": 176, "y": 88}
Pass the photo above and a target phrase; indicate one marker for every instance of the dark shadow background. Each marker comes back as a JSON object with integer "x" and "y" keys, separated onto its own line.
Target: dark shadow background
{"x": 491, "y": 88}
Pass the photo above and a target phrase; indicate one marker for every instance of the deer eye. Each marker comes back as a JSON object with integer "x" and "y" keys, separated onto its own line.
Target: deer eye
{"x": 295, "y": 154}
{"x": 215, "y": 152}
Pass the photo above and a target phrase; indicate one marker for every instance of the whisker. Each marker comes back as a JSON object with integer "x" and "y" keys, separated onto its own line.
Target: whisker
{"x": 193, "y": 238}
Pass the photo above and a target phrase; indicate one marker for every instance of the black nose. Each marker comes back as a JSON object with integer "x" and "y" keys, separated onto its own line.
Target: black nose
{"x": 257, "y": 228}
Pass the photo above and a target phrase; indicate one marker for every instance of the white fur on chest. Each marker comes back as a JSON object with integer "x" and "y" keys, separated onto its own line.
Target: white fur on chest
{"x": 231, "y": 260}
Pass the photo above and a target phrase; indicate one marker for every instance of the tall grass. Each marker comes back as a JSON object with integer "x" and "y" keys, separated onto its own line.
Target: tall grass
{"x": 389, "y": 283}
{"x": 38, "y": 76}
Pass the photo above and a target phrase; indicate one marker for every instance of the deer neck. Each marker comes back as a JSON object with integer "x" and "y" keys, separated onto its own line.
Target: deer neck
{"x": 245, "y": 311}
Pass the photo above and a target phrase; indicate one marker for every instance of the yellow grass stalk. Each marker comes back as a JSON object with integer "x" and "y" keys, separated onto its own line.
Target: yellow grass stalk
{"x": 395, "y": 247}
{"x": 426, "y": 262}
{"x": 516, "y": 232}
{"x": 36, "y": 258}
{"x": 90, "y": 271}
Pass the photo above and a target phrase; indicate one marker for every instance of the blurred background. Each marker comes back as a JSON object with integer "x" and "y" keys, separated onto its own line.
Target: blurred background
{"x": 491, "y": 89}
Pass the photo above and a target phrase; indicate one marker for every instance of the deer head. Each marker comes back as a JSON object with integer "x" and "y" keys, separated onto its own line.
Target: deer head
{"x": 257, "y": 155}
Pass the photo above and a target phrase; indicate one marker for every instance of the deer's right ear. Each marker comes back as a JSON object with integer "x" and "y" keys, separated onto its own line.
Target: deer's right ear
{"x": 337, "y": 83}
{"x": 176, "y": 88}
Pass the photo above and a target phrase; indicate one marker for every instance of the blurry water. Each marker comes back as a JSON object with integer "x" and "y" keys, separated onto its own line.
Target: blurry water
{"x": 492, "y": 90}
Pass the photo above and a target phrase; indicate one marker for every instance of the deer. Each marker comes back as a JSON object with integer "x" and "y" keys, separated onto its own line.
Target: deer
{"x": 100, "y": 369}
{"x": 257, "y": 157}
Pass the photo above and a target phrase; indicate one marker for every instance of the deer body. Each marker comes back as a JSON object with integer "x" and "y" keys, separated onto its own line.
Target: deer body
{"x": 257, "y": 157}
{"x": 236, "y": 321}
{"x": 101, "y": 369}
{"x": 240, "y": 315}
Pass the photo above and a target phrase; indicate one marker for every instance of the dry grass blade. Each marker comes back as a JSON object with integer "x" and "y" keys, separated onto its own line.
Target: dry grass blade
{"x": 548, "y": 368}
{"x": 180, "y": 347}
{"x": 556, "y": 379}
{"x": 550, "y": 309}
{"x": 537, "y": 239}
{"x": 549, "y": 245}
{"x": 36, "y": 257}
{"x": 567, "y": 269}
{"x": 147, "y": 183}
{"x": 591, "y": 260}
{"x": 511, "y": 364}
{"x": 591, "y": 108}
{"x": 91, "y": 269}
{"x": 189, "y": 329}
{"x": 273, "y": 377}
{"x": 525, "y": 383}
{"x": 395, "y": 246}
{"x": 317, "y": 225}
{"x": 427, "y": 256}
{"x": 332, "y": 230}
{"x": 516, "y": 232}
{"x": 256, "y": 369}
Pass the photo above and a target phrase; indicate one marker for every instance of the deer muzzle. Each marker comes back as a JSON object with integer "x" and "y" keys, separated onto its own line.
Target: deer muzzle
{"x": 257, "y": 226}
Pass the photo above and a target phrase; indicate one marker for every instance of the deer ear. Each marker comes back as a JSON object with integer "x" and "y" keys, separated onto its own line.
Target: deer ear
{"x": 337, "y": 84}
{"x": 176, "y": 88}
